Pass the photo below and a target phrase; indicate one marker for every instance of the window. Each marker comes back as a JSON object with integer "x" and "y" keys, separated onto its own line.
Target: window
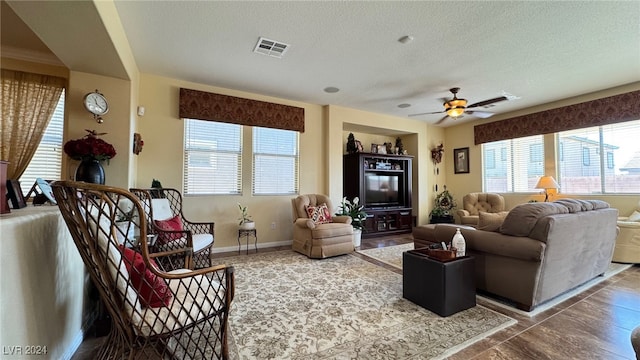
{"x": 586, "y": 157}
{"x": 490, "y": 158}
{"x": 212, "y": 157}
{"x": 47, "y": 160}
{"x": 536, "y": 154}
{"x": 600, "y": 159}
{"x": 517, "y": 172}
{"x": 275, "y": 161}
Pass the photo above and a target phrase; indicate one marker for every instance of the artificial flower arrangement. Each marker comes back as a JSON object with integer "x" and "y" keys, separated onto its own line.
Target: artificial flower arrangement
{"x": 90, "y": 147}
{"x": 354, "y": 210}
{"x": 444, "y": 204}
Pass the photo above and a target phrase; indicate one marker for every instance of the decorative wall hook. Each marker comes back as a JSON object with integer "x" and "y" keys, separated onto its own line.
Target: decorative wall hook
{"x": 436, "y": 154}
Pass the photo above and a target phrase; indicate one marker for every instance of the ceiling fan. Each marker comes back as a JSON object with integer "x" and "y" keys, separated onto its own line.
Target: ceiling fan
{"x": 457, "y": 107}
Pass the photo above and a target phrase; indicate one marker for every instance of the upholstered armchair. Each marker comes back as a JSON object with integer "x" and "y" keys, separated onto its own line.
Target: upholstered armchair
{"x": 627, "y": 248}
{"x": 155, "y": 313}
{"x": 474, "y": 203}
{"x": 316, "y": 233}
{"x": 165, "y": 220}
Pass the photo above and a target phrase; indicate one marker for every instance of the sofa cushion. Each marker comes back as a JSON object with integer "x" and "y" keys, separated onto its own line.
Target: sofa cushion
{"x": 635, "y": 216}
{"x": 517, "y": 247}
{"x": 491, "y": 221}
{"x": 522, "y": 218}
{"x": 329, "y": 230}
{"x": 572, "y": 204}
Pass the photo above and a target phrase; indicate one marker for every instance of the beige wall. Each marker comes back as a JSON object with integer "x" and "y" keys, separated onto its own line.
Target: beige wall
{"x": 417, "y": 136}
{"x": 42, "y": 283}
{"x": 117, "y": 123}
{"x": 162, "y": 159}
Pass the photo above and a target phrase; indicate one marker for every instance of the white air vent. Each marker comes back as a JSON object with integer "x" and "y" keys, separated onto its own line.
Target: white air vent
{"x": 271, "y": 47}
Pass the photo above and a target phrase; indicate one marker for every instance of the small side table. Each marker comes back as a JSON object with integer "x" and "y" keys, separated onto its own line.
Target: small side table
{"x": 444, "y": 288}
{"x": 247, "y": 234}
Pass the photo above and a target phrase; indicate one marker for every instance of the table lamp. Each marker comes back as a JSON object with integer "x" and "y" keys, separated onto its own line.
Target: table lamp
{"x": 546, "y": 183}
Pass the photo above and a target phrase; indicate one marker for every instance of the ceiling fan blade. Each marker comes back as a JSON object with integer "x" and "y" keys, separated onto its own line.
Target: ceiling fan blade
{"x": 480, "y": 114}
{"x": 488, "y": 102}
{"x": 442, "y": 120}
{"x": 427, "y": 113}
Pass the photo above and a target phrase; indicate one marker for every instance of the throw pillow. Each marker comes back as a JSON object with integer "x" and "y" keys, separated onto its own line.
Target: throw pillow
{"x": 152, "y": 289}
{"x": 635, "y": 216}
{"x": 173, "y": 224}
{"x": 319, "y": 214}
{"x": 491, "y": 221}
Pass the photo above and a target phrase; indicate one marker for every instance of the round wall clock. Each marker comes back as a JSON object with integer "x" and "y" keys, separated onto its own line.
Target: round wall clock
{"x": 96, "y": 104}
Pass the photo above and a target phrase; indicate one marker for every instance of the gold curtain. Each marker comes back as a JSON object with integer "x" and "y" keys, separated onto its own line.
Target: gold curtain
{"x": 28, "y": 102}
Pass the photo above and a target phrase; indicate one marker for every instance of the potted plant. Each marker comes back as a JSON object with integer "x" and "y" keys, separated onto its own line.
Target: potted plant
{"x": 442, "y": 212}
{"x": 246, "y": 223}
{"x": 91, "y": 151}
{"x": 358, "y": 216}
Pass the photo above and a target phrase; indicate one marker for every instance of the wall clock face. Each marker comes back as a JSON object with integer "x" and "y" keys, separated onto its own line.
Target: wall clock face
{"x": 96, "y": 103}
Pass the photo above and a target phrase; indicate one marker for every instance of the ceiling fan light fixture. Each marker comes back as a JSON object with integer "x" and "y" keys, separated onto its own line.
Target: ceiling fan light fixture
{"x": 455, "y": 107}
{"x": 455, "y": 111}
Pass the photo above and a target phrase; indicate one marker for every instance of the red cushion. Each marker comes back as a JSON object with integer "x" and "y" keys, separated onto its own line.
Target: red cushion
{"x": 152, "y": 289}
{"x": 173, "y": 224}
{"x": 319, "y": 214}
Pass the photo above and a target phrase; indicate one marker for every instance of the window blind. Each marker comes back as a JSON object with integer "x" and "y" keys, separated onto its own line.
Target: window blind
{"x": 275, "y": 161}
{"x": 513, "y": 165}
{"x": 47, "y": 160}
{"x": 600, "y": 159}
{"x": 212, "y": 158}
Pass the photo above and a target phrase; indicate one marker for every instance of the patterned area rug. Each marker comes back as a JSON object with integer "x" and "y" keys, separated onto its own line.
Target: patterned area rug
{"x": 392, "y": 255}
{"x": 287, "y": 306}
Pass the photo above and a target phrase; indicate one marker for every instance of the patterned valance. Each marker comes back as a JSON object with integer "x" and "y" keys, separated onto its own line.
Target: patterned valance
{"x": 609, "y": 110}
{"x": 203, "y": 105}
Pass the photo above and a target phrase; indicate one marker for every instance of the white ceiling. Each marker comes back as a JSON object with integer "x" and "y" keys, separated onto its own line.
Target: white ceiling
{"x": 538, "y": 51}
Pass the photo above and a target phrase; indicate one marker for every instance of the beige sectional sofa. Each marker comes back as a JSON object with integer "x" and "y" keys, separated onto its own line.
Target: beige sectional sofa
{"x": 540, "y": 250}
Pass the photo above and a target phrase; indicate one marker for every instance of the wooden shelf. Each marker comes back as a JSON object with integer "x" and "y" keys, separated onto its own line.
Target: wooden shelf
{"x": 383, "y": 218}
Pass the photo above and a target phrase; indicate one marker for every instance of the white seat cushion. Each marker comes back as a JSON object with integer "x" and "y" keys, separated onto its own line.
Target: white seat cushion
{"x": 194, "y": 298}
{"x": 200, "y": 241}
{"x": 161, "y": 209}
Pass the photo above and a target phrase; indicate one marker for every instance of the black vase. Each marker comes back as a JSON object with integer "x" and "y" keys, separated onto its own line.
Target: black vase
{"x": 90, "y": 171}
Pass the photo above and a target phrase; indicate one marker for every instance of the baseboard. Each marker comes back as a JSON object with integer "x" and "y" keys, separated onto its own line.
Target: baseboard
{"x": 73, "y": 346}
{"x": 243, "y": 247}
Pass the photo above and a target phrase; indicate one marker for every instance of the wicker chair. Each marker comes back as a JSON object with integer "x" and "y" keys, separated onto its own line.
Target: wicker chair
{"x": 164, "y": 204}
{"x": 180, "y": 314}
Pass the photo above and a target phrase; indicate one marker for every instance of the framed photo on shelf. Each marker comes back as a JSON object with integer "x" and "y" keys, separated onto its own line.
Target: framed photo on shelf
{"x": 15, "y": 194}
{"x": 461, "y": 158}
{"x": 374, "y": 148}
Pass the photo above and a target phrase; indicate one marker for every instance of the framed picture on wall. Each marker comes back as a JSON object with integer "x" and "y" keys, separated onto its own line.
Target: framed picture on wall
{"x": 461, "y": 158}
{"x": 15, "y": 194}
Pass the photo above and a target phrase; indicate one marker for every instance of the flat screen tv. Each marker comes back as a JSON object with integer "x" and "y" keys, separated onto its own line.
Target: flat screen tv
{"x": 381, "y": 190}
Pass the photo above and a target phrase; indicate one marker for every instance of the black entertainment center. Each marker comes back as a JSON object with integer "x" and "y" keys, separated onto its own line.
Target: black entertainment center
{"x": 383, "y": 184}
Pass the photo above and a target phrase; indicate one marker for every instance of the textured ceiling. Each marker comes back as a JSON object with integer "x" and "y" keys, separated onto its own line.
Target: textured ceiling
{"x": 537, "y": 51}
